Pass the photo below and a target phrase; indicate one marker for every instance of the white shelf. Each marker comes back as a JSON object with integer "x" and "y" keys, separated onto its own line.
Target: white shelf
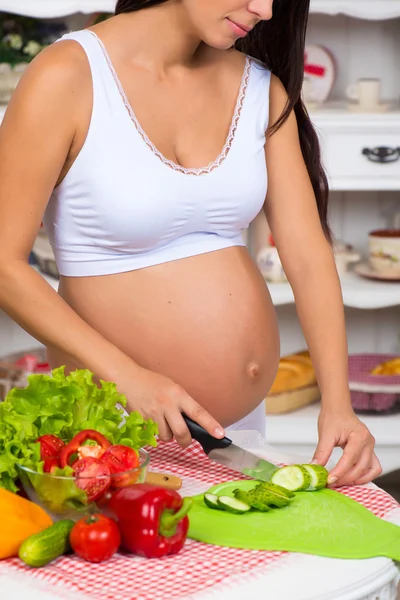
{"x": 335, "y": 116}
{"x": 357, "y": 293}
{"x": 296, "y": 433}
{"x": 56, "y": 8}
{"x": 361, "y": 9}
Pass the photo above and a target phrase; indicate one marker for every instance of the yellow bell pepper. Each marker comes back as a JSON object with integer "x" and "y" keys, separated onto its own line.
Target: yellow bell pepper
{"x": 19, "y": 519}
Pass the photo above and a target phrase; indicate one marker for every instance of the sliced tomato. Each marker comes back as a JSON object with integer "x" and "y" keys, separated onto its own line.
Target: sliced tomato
{"x": 50, "y": 450}
{"x": 77, "y": 442}
{"x": 123, "y": 463}
{"x": 92, "y": 476}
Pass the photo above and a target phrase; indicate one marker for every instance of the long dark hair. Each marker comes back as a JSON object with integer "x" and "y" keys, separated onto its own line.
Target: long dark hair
{"x": 279, "y": 44}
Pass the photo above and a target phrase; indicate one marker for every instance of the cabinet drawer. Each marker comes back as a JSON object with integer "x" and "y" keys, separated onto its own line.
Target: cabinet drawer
{"x": 355, "y": 158}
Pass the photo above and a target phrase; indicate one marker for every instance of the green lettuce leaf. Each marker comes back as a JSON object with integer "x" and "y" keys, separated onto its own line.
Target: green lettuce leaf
{"x": 63, "y": 405}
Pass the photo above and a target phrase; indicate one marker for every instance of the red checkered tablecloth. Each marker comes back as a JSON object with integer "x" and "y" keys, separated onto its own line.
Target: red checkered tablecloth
{"x": 197, "y": 567}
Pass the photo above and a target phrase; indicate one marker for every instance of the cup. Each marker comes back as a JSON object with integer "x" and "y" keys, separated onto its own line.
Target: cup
{"x": 384, "y": 251}
{"x": 366, "y": 92}
{"x": 307, "y": 93}
{"x": 270, "y": 265}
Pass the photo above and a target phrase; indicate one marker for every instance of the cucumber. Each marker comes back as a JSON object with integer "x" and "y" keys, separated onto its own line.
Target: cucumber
{"x": 295, "y": 478}
{"x": 276, "y": 489}
{"x": 264, "y": 496}
{"x": 211, "y": 500}
{"x": 232, "y": 505}
{"x": 43, "y": 547}
{"x": 268, "y": 496}
{"x": 319, "y": 477}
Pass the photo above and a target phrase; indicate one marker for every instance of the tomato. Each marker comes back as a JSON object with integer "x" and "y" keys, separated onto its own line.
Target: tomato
{"x": 74, "y": 445}
{"x": 95, "y": 538}
{"x": 92, "y": 476}
{"x": 50, "y": 449}
{"x": 120, "y": 459}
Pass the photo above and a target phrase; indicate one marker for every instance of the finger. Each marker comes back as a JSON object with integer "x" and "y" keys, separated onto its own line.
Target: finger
{"x": 359, "y": 470}
{"x": 164, "y": 431}
{"x": 179, "y": 429}
{"x": 350, "y": 457}
{"x": 199, "y": 415}
{"x": 323, "y": 452}
{"x": 374, "y": 471}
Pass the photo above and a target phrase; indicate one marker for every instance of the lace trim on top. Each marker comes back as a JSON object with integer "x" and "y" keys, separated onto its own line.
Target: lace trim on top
{"x": 231, "y": 136}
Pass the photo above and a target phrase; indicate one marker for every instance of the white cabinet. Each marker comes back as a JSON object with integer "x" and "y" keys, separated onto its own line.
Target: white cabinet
{"x": 348, "y": 142}
{"x": 364, "y": 38}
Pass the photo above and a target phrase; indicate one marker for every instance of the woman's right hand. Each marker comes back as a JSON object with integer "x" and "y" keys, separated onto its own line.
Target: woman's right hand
{"x": 159, "y": 398}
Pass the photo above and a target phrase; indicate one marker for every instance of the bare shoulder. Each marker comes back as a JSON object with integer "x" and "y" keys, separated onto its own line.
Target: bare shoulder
{"x": 278, "y": 99}
{"x": 54, "y": 77}
{"x": 277, "y": 96}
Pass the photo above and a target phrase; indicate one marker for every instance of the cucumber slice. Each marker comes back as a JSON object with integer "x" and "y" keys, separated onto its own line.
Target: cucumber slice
{"x": 253, "y": 499}
{"x": 276, "y": 489}
{"x": 319, "y": 477}
{"x": 211, "y": 500}
{"x": 269, "y": 498}
{"x": 232, "y": 505}
{"x": 293, "y": 477}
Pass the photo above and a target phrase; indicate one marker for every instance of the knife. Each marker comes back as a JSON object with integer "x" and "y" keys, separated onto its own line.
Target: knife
{"x": 225, "y": 452}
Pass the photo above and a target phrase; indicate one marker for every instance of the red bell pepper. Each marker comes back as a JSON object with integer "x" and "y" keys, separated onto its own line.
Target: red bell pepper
{"x": 78, "y": 440}
{"x": 153, "y": 521}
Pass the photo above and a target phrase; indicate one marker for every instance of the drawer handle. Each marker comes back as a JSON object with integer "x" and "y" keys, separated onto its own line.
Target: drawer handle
{"x": 382, "y": 154}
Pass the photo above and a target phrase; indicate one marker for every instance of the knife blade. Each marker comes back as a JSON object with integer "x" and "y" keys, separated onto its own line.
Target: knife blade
{"x": 225, "y": 452}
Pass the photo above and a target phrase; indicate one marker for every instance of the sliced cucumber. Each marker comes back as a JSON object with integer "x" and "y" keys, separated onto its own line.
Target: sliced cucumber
{"x": 269, "y": 497}
{"x": 211, "y": 500}
{"x": 293, "y": 477}
{"x": 252, "y": 498}
{"x": 319, "y": 477}
{"x": 276, "y": 489}
{"x": 233, "y": 505}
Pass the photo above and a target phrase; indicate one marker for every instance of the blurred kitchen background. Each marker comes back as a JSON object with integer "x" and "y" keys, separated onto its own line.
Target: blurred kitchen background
{"x": 352, "y": 91}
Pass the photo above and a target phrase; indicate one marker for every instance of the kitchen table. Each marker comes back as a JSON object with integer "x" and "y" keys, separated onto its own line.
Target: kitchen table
{"x": 204, "y": 572}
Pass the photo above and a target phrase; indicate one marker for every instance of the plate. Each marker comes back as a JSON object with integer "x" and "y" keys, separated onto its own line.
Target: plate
{"x": 365, "y": 270}
{"x": 319, "y": 74}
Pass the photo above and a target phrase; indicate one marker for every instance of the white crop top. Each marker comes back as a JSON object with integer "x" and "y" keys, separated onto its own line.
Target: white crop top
{"x": 124, "y": 206}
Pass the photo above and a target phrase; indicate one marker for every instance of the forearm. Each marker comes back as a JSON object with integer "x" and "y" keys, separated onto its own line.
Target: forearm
{"x": 30, "y": 301}
{"x": 319, "y": 305}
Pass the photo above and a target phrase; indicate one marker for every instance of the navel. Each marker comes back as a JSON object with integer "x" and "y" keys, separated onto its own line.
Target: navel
{"x": 253, "y": 370}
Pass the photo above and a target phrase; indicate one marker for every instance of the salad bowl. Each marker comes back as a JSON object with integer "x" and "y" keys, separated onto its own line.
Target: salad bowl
{"x": 75, "y": 496}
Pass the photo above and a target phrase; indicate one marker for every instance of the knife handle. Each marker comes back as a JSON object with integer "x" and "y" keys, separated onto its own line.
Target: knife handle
{"x": 207, "y": 441}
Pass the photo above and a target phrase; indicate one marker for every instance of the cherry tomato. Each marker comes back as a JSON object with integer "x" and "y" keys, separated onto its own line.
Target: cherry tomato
{"x": 95, "y": 538}
{"x": 50, "y": 449}
{"x": 92, "y": 476}
{"x": 74, "y": 445}
{"x": 121, "y": 459}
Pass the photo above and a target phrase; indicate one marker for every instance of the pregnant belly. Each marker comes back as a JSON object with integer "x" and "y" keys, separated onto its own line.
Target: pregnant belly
{"x": 207, "y": 322}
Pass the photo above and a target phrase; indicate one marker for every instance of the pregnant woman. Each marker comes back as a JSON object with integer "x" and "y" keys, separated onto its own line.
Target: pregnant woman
{"x": 147, "y": 144}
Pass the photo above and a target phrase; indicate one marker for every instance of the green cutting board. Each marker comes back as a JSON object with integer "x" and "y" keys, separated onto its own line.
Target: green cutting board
{"x": 325, "y": 523}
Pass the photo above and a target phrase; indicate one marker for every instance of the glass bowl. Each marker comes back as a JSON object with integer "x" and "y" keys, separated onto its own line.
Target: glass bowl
{"x": 65, "y": 497}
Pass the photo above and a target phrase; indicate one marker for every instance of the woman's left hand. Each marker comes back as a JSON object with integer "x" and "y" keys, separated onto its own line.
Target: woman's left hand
{"x": 359, "y": 463}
